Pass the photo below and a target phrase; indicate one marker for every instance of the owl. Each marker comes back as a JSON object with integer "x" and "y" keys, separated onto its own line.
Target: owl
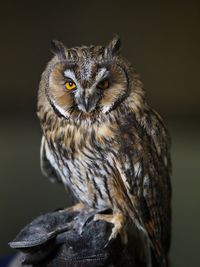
{"x": 104, "y": 142}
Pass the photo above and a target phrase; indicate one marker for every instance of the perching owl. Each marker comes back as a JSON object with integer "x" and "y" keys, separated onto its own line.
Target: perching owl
{"x": 104, "y": 142}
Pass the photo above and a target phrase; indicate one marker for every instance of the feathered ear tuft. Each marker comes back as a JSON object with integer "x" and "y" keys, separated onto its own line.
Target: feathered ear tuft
{"x": 114, "y": 45}
{"x": 58, "y": 49}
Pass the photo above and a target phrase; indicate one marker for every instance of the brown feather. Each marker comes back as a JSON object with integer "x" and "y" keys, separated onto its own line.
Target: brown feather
{"x": 116, "y": 155}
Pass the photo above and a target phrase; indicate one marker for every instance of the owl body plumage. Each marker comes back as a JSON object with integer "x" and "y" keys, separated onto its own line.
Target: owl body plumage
{"x": 116, "y": 155}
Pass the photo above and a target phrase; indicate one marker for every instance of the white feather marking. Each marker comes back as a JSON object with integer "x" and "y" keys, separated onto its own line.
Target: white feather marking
{"x": 137, "y": 169}
{"x": 146, "y": 180}
{"x": 70, "y": 74}
{"x": 65, "y": 171}
{"x": 60, "y": 109}
{"x": 106, "y": 108}
{"x": 53, "y": 162}
{"x": 49, "y": 155}
{"x": 41, "y": 150}
{"x": 140, "y": 227}
{"x": 88, "y": 70}
{"x": 101, "y": 74}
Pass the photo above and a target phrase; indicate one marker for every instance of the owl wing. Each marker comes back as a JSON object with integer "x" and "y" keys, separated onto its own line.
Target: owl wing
{"x": 145, "y": 165}
{"x": 47, "y": 162}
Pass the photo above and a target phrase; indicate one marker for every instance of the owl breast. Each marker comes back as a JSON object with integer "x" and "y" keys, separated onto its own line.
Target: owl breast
{"x": 85, "y": 160}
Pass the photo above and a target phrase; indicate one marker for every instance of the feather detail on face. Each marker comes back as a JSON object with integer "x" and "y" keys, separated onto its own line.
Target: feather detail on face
{"x": 89, "y": 80}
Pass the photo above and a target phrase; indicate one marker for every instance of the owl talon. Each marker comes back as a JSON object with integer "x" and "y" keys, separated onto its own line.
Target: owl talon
{"x": 90, "y": 217}
{"x": 118, "y": 229}
{"x": 84, "y": 222}
{"x": 77, "y": 207}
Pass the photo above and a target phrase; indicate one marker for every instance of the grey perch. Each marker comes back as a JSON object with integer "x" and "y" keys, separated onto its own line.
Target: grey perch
{"x": 72, "y": 239}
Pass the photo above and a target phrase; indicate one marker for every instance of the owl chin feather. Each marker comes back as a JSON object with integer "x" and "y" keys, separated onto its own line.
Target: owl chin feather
{"x": 106, "y": 109}
{"x": 85, "y": 109}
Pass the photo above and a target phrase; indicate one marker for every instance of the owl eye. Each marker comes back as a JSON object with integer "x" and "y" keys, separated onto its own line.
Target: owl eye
{"x": 70, "y": 85}
{"x": 103, "y": 84}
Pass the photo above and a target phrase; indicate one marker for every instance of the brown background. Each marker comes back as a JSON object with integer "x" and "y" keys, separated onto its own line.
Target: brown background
{"x": 161, "y": 38}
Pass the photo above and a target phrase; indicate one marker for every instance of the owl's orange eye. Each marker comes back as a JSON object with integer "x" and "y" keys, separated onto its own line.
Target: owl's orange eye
{"x": 70, "y": 85}
{"x": 103, "y": 84}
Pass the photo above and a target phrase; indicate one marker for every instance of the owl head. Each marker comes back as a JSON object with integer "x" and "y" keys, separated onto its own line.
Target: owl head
{"x": 87, "y": 80}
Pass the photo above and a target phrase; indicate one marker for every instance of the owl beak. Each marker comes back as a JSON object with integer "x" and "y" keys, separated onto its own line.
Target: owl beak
{"x": 87, "y": 104}
{"x": 87, "y": 101}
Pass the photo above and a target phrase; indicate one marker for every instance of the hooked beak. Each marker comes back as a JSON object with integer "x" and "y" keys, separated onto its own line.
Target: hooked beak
{"x": 87, "y": 104}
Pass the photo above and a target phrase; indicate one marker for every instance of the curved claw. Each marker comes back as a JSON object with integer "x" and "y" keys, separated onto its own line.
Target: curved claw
{"x": 118, "y": 220}
{"x": 85, "y": 217}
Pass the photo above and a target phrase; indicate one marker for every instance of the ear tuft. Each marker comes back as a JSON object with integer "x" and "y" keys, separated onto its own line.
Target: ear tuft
{"x": 58, "y": 49}
{"x": 114, "y": 45}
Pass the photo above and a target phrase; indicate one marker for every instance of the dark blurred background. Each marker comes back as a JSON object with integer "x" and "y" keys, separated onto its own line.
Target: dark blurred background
{"x": 161, "y": 39}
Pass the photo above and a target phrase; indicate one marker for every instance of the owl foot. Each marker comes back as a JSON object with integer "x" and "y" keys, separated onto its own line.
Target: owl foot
{"x": 118, "y": 220}
{"x": 87, "y": 218}
{"x": 77, "y": 208}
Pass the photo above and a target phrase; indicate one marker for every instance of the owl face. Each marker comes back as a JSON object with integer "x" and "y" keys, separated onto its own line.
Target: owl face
{"x": 87, "y": 79}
